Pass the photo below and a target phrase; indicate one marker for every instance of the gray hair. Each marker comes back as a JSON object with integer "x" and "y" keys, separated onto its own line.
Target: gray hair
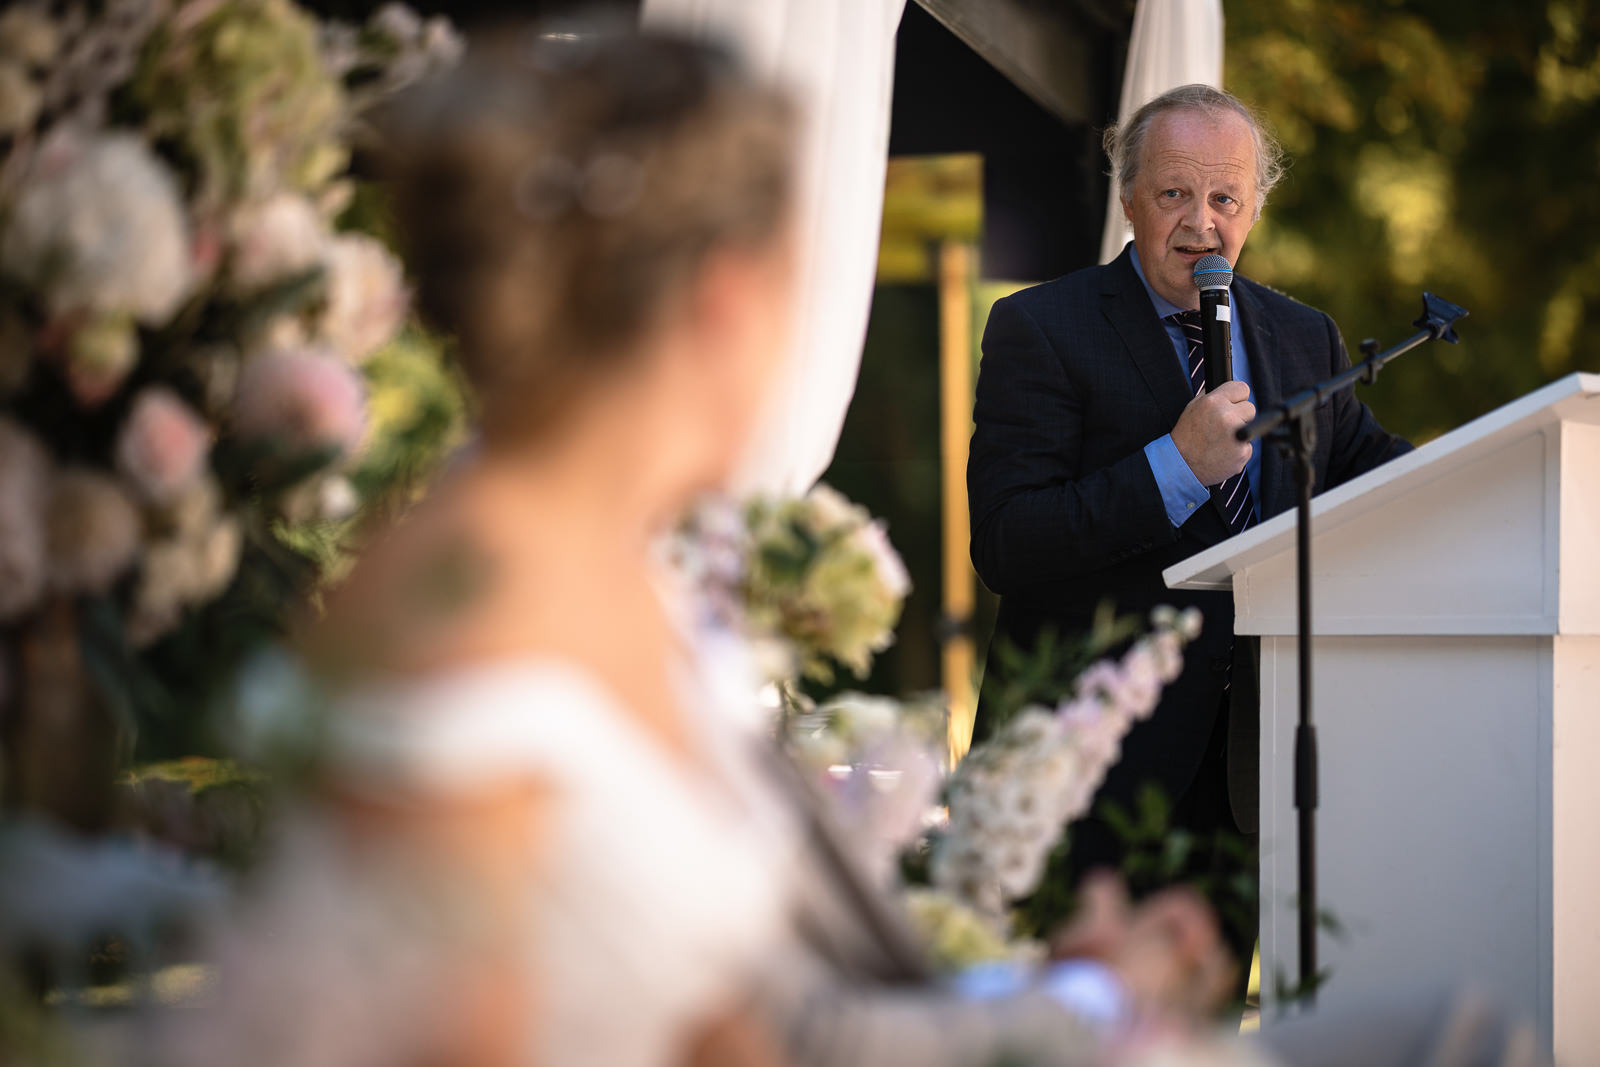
{"x": 1124, "y": 142}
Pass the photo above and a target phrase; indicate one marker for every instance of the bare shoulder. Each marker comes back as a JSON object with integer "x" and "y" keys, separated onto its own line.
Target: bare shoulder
{"x": 417, "y": 584}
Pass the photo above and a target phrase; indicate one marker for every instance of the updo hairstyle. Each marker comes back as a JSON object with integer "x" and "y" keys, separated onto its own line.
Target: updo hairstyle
{"x": 558, "y": 189}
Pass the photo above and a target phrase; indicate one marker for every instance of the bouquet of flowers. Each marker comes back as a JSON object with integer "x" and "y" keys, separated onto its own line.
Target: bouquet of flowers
{"x": 814, "y": 577}
{"x": 185, "y": 335}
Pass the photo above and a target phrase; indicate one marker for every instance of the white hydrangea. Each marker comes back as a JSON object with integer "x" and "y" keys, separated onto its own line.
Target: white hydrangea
{"x": 98, "y": 227}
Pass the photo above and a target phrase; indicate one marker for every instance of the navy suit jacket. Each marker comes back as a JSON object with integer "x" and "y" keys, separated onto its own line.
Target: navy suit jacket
{"x": 1078, "y": 375}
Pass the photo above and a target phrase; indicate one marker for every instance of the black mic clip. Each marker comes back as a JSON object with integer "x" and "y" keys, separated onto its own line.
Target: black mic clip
{"x": 1439, "y": 317}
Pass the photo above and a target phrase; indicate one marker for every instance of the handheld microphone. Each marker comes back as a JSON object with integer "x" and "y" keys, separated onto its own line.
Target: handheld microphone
{"x": 1213, "y": 275}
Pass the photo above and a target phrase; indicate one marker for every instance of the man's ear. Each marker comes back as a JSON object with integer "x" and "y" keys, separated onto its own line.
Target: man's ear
{"x": 1126, "y": 214}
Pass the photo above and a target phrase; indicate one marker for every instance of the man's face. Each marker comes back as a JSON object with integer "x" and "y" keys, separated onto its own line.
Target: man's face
{"x": 1194, "y": 195}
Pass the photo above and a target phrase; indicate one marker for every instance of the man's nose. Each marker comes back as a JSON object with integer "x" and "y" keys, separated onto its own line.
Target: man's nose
{"x": 1200, "y": 217}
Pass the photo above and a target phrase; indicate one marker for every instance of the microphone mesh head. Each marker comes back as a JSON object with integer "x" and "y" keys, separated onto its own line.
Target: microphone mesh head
{"x": 1213, "y": 272}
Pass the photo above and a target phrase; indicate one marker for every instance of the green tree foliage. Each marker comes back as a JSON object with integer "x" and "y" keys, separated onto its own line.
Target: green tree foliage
{"x": 1449, "y": 145}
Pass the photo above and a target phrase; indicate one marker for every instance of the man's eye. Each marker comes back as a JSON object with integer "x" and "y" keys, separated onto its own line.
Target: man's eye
{"x": 1170, "y": 194}
{"x": 1224, "y": 198}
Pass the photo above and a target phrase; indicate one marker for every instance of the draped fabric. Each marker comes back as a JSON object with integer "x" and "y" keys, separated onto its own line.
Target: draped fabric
{"x": 837, "y": 56}
{"x": 1175, "y": 42}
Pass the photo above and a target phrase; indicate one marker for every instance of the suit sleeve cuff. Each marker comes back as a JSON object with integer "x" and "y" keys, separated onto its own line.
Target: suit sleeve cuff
{"x": 1181, "y": 492}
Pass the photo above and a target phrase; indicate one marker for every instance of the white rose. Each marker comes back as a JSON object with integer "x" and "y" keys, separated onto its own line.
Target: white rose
{"x": 829, "y": 509}
{"x": 337, "y": 498}
{"x": 276, "y": 239}
{"x": 886, "y": 562}
{"x": 366, "y": 296}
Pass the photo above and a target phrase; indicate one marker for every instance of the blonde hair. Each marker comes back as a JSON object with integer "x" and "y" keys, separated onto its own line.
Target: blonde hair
{"x": 557, "y": 189}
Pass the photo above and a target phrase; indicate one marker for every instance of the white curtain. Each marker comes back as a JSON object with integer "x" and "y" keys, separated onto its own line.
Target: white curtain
{"x": 837, "y": 56}
{"x": 1175, "y": 42}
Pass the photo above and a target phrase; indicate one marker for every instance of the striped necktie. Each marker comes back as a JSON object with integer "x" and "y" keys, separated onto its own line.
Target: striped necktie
{"x": 1232, "y": 496}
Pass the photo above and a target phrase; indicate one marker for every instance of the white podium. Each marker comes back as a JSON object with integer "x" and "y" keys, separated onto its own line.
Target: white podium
{"x": 1456, "y": 693}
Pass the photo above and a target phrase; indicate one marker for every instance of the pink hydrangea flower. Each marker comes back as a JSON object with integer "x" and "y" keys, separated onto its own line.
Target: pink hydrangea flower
{"x": 306, "y": 400}
{"x": 163, "y": 444}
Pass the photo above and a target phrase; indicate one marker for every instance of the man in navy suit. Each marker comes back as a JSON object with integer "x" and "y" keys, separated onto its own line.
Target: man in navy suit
{"x": 1095, "y": 464}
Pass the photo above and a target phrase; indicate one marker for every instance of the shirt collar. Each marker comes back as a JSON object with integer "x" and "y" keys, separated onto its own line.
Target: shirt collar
{"x": 1164, "y": 307}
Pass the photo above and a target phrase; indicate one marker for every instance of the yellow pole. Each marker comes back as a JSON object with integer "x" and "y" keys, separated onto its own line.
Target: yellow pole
{"x": 955, "y": 431}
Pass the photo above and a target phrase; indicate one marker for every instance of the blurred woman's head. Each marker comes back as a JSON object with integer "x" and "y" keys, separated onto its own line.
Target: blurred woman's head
{"x": 586, "y": 212}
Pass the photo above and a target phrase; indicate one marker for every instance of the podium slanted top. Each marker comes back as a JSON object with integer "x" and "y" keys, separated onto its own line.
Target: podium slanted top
{"x": 1474, "y": 524}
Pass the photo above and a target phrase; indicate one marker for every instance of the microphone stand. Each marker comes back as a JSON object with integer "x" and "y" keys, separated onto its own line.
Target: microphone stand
{"x": 1292, "y": 426}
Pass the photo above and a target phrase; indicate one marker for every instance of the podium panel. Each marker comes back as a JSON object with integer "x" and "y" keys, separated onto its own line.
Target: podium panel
{"x": 1430, "y": 848}
{"x": 1456, "y": 692}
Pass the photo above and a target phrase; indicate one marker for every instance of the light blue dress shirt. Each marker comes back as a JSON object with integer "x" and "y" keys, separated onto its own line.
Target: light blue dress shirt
{"x": 1087, "y": 988}
{"x": 1181, "y": 492}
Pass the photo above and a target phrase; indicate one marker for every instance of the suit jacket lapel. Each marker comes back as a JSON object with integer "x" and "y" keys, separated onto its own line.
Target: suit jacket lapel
{"x": 1125, "y": 303}
{"x": 1261, "y": 342}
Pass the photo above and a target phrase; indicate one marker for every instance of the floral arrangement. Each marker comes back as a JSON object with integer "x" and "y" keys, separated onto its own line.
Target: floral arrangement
{"x": 816, "y": 578}
{"x": 813, "y": 577}
{"x": 1011, "y": 797}
{"x": 1005, "y": 806}
{"x": 187, "y": 325}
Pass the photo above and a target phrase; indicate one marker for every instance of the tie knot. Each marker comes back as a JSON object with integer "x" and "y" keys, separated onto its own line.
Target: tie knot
{"x": 1189, "y": 320}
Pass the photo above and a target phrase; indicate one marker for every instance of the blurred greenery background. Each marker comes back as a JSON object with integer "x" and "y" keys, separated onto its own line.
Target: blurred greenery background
{"x": 1446, "y": 145}
{"x": 1449, "y": 145}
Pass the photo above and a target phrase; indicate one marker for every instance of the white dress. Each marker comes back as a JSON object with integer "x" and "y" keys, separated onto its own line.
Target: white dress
{"x": 655, "y": 888}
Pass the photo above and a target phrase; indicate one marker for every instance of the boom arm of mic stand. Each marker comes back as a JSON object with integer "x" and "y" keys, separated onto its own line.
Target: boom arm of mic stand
{"x": 1437, "y": 323}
